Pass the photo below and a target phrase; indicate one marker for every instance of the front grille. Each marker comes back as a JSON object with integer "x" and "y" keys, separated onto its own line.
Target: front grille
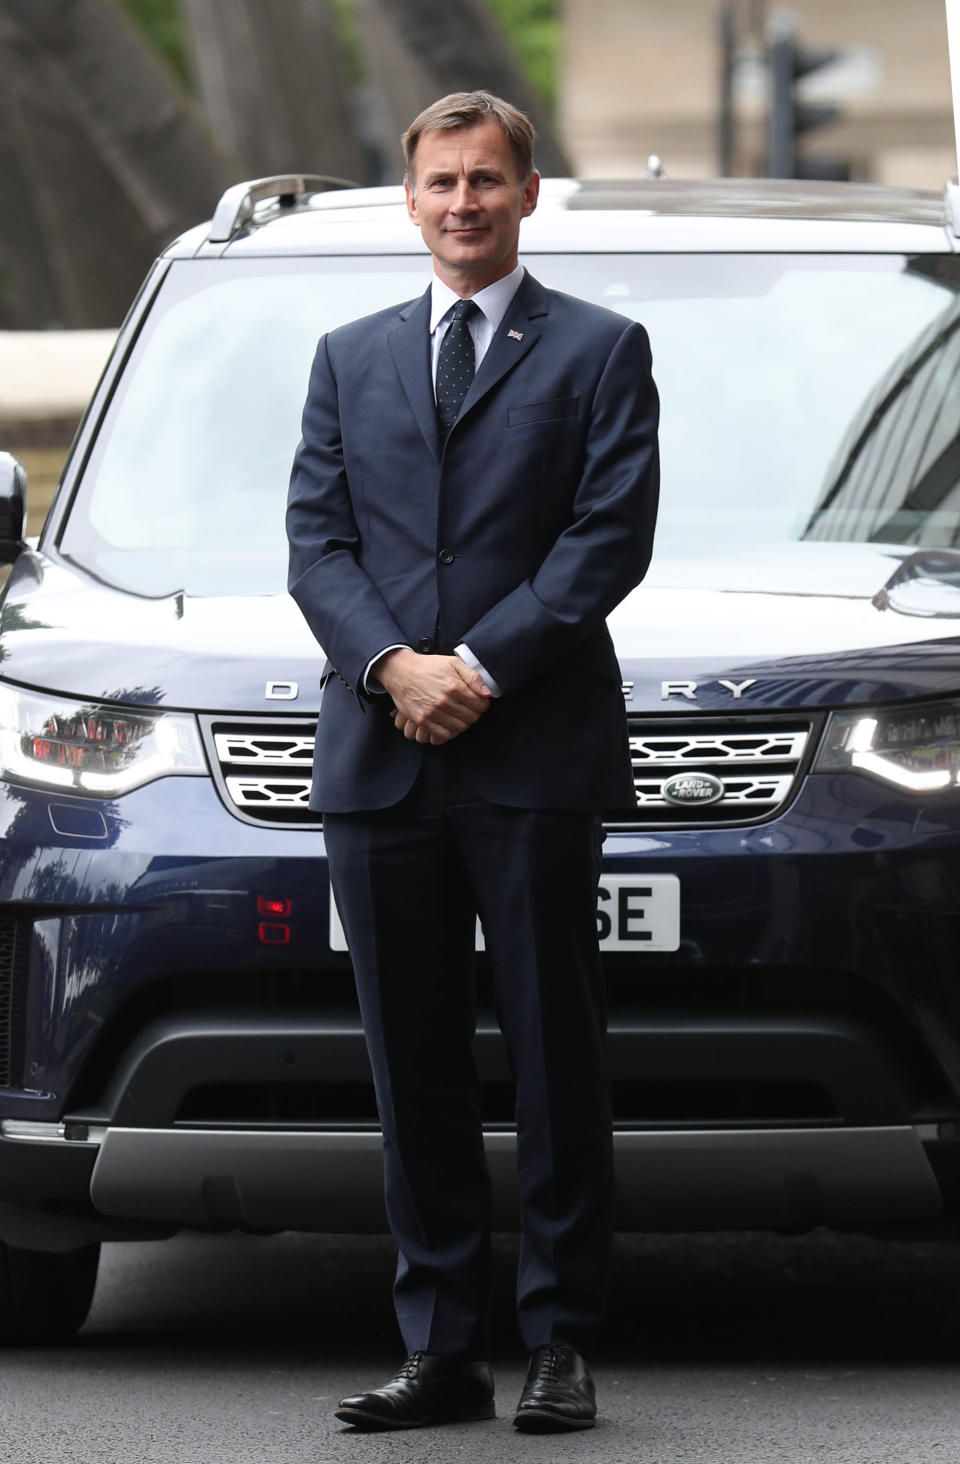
{"x": 748, "y": 767}
{"x": 13, "y": 960}
{"x": 263, "y": 768}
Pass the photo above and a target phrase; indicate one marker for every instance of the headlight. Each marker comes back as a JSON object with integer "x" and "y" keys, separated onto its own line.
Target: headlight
{"x": 90, "y": 747}
{"x": 915, "y": 747}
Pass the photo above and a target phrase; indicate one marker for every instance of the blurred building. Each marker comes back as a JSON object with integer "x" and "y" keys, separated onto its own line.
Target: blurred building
{"x": 642, "y": 76}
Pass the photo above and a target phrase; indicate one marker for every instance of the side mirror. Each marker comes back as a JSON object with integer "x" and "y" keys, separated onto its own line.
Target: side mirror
{"x": 13, "y": 506}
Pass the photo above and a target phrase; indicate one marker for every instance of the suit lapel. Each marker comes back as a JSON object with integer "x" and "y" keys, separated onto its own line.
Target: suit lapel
{"x": 515, "y": 336}
{"x": 410, "y": 347}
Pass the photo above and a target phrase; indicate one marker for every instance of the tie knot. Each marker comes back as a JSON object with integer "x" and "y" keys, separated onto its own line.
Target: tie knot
{"x": 465, "y": 309}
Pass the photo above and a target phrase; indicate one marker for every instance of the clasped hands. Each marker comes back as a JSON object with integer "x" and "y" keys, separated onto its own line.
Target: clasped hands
{"x": 435, "y": 698}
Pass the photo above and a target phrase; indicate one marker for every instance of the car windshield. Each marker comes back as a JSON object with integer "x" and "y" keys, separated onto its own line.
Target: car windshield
{"x": 804, "y": 397}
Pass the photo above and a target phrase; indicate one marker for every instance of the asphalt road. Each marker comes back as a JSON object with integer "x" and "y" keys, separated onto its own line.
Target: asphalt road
{"x": 727, "y": 1349}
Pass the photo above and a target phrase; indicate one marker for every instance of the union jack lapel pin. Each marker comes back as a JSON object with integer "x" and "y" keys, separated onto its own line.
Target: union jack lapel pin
{"x": 515, "y": 335}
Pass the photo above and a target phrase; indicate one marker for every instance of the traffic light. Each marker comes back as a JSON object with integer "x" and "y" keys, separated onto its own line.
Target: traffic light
{"x": 788, "y": 62}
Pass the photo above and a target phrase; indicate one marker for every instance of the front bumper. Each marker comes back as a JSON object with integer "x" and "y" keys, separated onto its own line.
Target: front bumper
{"x": 331, "y": 1180}
{"x": 795, "y": 1062}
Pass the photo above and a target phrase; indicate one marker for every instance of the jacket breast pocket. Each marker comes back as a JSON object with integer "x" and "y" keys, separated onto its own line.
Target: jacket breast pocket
{"x": 558, "y": 410}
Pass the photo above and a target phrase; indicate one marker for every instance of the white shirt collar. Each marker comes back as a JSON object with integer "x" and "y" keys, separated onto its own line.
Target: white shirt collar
{"x": 493, "y": 300}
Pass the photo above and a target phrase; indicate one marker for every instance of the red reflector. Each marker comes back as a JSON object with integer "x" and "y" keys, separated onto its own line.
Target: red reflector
{"x": 267, "y": 906}
{"x": 273, "y": 934}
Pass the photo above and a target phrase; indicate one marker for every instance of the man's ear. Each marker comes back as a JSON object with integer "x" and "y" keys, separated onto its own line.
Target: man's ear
{"x": 531, "y": 192}
{"x": 411, "y": 202}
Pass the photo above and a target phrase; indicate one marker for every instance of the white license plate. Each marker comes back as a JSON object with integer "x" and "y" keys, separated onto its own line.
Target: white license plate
{"x": 634, "y": 913}
{"x": 637, "y": 913}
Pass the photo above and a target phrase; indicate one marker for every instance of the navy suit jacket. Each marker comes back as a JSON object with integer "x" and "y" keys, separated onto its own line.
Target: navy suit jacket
{"x": 518, "y": 537}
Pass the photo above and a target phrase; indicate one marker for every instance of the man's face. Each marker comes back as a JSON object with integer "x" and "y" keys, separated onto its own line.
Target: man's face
{"x": 468, "y": 201}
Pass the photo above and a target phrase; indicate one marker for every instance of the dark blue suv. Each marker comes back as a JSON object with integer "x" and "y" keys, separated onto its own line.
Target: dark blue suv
{"x": 180, "y": 1043}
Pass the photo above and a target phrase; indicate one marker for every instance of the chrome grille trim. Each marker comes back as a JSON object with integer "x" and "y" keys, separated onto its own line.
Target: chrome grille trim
{"x": 758, "y": 758}
{"x": 757, "y": 791}
{"x": 262, "y": 766}
{"x": 696, "y": 748}
{"x": 254, "y": 793}
{"x": 266, "y": 749}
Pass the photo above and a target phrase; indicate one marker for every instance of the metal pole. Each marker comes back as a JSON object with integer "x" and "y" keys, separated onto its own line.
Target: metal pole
{"x": 953, "y": 46}
{"x": 781, "y": 56}
{"x": 728, "y": 51}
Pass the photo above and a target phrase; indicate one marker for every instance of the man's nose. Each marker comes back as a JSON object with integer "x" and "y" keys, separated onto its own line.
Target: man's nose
{"x": 464, "y": 198}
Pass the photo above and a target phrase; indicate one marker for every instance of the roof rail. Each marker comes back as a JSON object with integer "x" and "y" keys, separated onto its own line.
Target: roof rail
{"x": 236, "y": 208}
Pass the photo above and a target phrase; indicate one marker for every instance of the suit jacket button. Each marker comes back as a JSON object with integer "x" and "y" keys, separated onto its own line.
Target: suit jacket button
{"x": 425, "y": 645}
{"x": 446, "y": 556}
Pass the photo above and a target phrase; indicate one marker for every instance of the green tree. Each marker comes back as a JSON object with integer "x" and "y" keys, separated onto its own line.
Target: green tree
{"x": 532, "y": 26}
{"x": 161, "y": 24}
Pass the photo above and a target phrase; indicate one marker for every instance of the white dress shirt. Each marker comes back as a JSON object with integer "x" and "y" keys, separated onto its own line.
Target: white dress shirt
{"x": 492, "y": 303}
{"x": 492, "y": 306}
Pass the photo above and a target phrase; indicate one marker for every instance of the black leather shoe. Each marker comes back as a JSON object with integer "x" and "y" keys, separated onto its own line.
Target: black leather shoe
{"x": 427, "y": 1389}
{"x": 558, "y": 1394}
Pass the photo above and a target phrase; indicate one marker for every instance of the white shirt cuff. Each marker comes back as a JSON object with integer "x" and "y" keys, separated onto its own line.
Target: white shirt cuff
{"x": 370, "y": 684}
{"x": 465, "y": 654}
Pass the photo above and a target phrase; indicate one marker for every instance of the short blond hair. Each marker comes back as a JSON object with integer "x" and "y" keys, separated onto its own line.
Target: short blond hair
{"x": 469, "y": 109}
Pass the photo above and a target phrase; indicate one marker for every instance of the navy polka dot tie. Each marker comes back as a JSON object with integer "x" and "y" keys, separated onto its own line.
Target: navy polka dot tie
{"x": 455, "y": 366}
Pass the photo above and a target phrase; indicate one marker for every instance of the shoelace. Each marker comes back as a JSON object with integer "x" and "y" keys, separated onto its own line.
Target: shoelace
{"x": 410, "y": 1368}
{"x": 551, "y": 1360}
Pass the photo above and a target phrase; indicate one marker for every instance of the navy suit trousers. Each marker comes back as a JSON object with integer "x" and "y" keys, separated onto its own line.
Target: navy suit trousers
{"x": 409, "y": 881}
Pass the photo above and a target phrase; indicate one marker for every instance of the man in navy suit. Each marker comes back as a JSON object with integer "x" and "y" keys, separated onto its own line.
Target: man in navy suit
{"x": 474, "y": 492}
